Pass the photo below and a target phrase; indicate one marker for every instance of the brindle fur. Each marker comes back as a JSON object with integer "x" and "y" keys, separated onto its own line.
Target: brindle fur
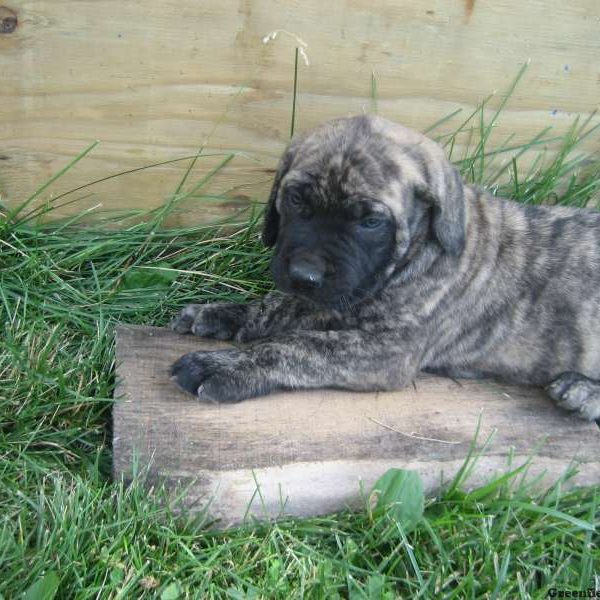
{"x": 470, "y": 285}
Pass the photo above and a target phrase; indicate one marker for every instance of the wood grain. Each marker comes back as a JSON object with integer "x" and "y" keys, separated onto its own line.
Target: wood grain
{"x": 310, "y": 452}
{"x": 155, "y": 80}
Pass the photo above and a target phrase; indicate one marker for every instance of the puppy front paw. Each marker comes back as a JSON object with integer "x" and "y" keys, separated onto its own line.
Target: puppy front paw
{"x": 218, "y": 377}
{"x": 220, "y": 321}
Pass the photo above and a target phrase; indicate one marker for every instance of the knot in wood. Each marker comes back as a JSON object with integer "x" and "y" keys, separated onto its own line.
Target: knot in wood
{"x": 8, "y": 20}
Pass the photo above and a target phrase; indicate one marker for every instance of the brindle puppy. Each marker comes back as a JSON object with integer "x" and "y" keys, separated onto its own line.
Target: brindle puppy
{"x": 390, "y": 265}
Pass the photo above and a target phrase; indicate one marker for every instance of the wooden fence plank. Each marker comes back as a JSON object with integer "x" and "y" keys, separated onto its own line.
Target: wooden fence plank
{"x": 154, "y": 80}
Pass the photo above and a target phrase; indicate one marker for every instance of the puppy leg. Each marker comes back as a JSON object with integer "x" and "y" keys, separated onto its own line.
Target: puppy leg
{"x": 577, "y": 392}
{"x": 352, "y": 360}
{"x": 273, "y": 315}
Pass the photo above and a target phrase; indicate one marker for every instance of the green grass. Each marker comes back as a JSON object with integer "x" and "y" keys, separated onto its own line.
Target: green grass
{"x": 65, "y": 527}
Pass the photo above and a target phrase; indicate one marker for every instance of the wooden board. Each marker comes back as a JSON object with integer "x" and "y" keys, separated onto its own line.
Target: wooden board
{"x": 154, "y": 80}
{"x": 315, "y": 452}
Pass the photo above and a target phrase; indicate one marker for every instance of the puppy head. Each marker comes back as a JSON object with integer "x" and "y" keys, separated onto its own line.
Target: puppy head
{"x": 350, "y": 201}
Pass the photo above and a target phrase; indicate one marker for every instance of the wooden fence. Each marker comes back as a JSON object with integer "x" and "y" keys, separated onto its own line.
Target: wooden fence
{"x": 155, "y": 80}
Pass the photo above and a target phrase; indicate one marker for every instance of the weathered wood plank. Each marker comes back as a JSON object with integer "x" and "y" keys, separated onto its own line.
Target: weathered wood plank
{"x": 154, "y": 80}
{"x": 312, "y": 450}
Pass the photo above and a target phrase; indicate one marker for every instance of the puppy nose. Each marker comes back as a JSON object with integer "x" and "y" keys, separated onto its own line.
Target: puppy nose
{"x": 307, "y": 272}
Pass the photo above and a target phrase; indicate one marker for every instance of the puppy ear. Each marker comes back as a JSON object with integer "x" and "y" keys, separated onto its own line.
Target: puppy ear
{"x": 446, "y": 196}
{"x": 271, "y": 215}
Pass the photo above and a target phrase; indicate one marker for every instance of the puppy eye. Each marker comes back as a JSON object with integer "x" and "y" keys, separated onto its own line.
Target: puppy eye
{"x": 295, "y": 201}
{"x": 372, "y": 222}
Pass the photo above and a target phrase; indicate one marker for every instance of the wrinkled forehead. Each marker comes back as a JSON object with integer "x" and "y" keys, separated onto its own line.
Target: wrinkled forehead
{"x": 337, "y": 176}
{"x": 354, "y": 158}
